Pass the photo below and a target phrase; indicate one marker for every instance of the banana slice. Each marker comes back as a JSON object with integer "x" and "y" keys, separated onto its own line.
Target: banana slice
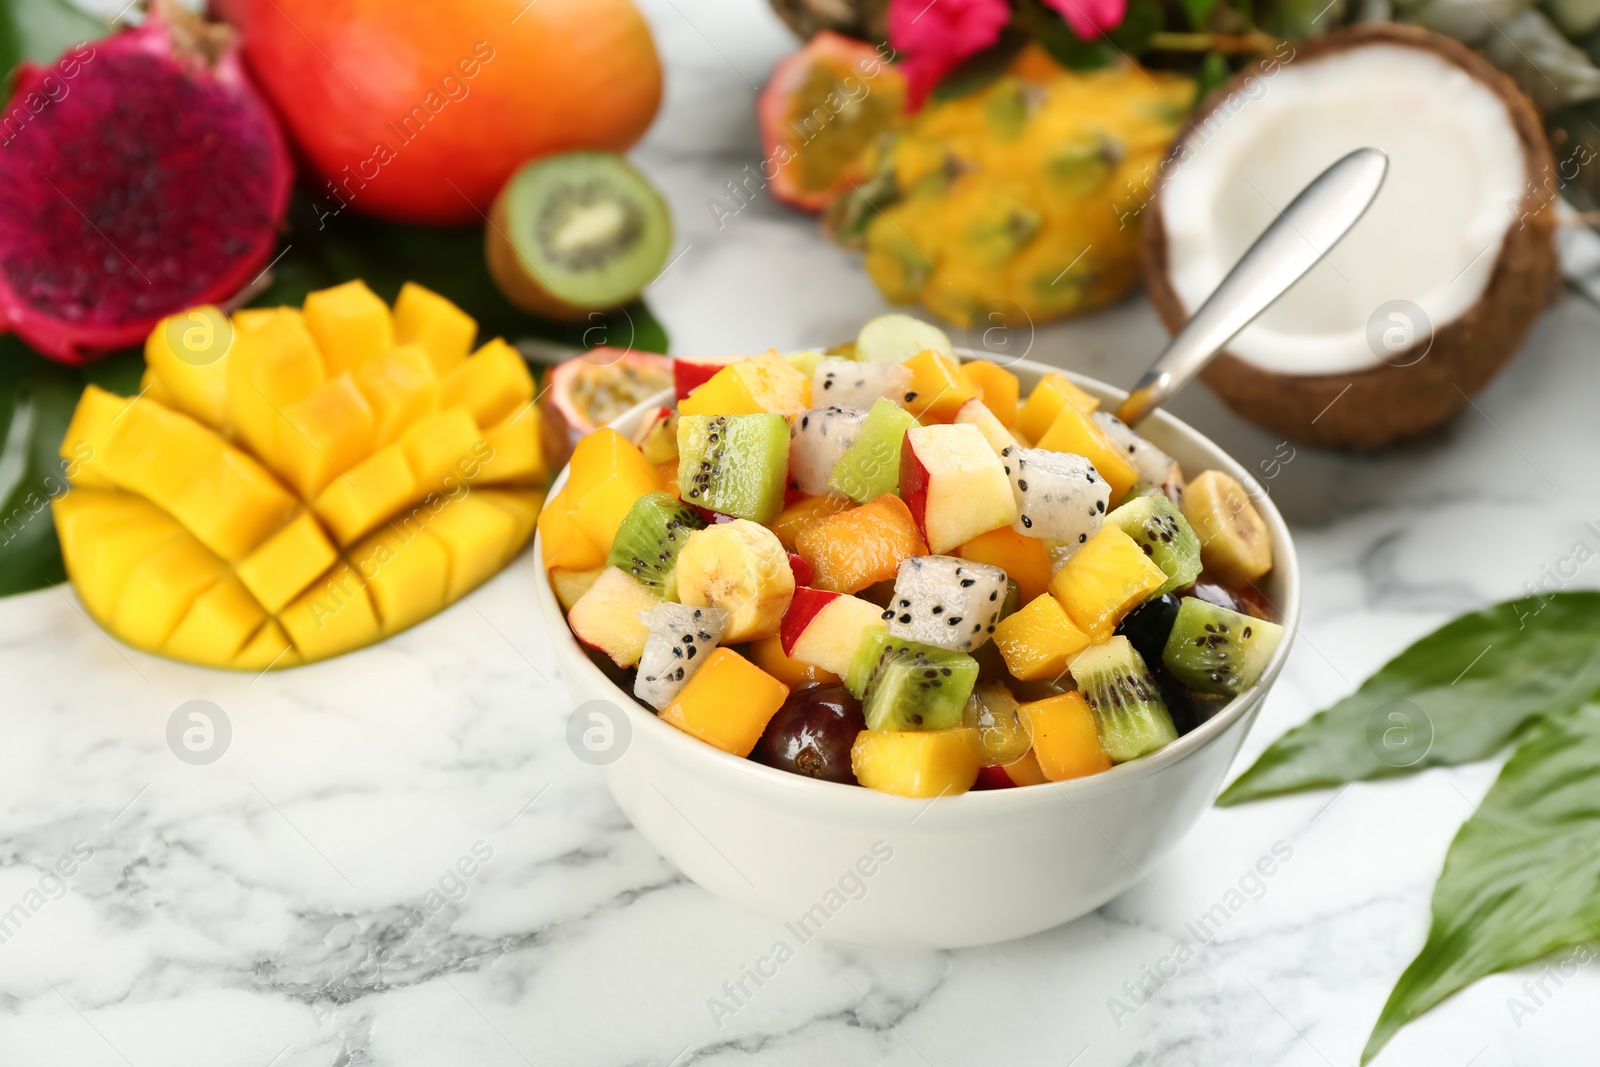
{"x": 742, "y": 568}
{"x": 1234, "y": 543}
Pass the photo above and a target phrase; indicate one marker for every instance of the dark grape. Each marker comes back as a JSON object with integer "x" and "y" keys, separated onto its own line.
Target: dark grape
{"x": 1247, "y": 600}
{"x": 1146, "y": 627}
{"x": 812, "y": 734}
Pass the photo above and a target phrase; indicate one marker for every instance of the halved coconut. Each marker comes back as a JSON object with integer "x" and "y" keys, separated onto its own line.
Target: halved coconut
{"x": 1428, "y": 296}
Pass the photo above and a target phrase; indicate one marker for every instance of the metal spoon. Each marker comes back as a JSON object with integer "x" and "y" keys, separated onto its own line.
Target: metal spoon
{"x": 1300, "y": 236}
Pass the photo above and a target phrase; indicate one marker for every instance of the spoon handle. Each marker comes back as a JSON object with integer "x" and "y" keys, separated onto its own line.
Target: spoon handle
{"x": 1300, "y": 236}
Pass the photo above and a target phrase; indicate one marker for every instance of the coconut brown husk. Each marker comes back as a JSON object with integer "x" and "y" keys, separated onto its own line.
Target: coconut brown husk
{"x": 1374, "y": 407}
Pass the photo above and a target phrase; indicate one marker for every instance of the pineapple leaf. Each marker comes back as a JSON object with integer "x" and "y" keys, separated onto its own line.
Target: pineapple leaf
{"x": 1522, "y": 878}
{"x": 1456, "y": 696}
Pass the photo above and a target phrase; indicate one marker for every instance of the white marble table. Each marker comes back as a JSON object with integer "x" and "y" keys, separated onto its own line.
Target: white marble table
{"x": 294, "y": 903}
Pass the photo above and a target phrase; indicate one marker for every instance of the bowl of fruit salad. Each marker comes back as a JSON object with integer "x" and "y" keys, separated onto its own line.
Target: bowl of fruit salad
{"x": 892, "y": 643}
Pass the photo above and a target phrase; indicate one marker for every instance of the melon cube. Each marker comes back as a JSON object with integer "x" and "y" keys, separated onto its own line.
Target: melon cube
{"x": 727, "y": 703}
{"x": 916, "y": 763}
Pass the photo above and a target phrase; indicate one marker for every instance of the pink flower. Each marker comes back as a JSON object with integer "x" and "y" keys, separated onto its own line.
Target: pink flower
{"x": 932, "y": 36}
{"x": 1090, "y": 18}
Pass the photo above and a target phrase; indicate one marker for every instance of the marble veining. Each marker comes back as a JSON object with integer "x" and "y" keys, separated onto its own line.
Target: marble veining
{"x": 305, "y": 901}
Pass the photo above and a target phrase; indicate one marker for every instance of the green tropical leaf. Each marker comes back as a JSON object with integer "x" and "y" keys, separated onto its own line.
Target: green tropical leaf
{"x": 1522, "y": 878}
{"x": 40, "y": 30}
{"x": 1456, "y": 696}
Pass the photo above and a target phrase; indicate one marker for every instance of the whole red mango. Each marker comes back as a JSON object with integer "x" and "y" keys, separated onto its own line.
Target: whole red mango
{"x": 419, "y": 112}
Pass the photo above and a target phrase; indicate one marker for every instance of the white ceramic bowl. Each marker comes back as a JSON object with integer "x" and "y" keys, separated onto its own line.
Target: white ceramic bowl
{"x": 848, "y": 863}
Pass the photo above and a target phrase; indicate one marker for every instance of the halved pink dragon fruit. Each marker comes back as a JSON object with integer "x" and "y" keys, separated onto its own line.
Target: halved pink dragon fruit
{"x": 845, "y": 383}
{"x": 816, "y": 441}
{"x": 946, "y": 602}
{"x": 150, "y": 178}
{"x": 1060, "y": 496}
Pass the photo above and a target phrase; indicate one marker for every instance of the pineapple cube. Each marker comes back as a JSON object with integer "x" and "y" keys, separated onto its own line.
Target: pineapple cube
{"x": 350, "y": 324}
{"x": 287, "y": 562}
{"x": 1104, "y": 580}
{"x": 916, "y": 763}
{"x": 494, "y": 384}
{"x": 368, "y": 493}
{"x": 478, "y": 536}
{"x": 333, "y": 616}
{"x": 195, "y": 379}
{"x": 406, "y": 570}
{"x": 323, "y": 435}
{"x": 222, "y": 619}
{"x": 426, "y": 319}
{"x": 400, "y": 388}
{"x": 1065, "y": 741}
{"x": 1039, "y": 641}
{"x": 160, "y": 589}
{"x": 727, "y": 702}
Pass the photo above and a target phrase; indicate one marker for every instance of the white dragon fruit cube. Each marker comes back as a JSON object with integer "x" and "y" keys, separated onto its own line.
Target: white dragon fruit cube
{"x": 946, "y": 602}
{"x": 847, "y": 384}
{"x": 1060, "y": 496}
{"x": 816, "y": 441}
{"x": 681, "y": 637}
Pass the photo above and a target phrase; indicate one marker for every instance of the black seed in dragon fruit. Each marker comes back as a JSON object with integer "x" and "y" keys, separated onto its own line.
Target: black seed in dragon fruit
{"x": 847, "y": 384}
{"x": 816, "y": 441}
{"x": 1060, "y": 496}
{"x": 946, "y": 602}
{"x": 681, "y": 637}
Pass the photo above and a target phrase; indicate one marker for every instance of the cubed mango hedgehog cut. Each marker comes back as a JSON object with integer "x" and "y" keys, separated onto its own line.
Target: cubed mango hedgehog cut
{"x": 314, "y": 482}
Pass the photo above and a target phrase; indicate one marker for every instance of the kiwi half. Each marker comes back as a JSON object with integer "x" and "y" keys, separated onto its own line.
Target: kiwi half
{"x": 575, "y": 233}
{"x": 647, "y": 543}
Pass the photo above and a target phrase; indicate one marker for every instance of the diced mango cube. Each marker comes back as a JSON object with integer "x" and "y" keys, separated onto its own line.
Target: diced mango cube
{"x": 1104, "y": 580}
{"x": 291, "y": 559}
{"x": 1053, "y": 392}
{"x": 441, "y": 448}
{"x": 104, "y": 534}
{"x": 160, "y": 589}
{"x": 479, "y": 537}
{"x": 916, "y": 763}
{"x": 333, "y": 616}
{"x": 564, "y": 545}
{"x": 156, "y": 452}
{"x": 607, "y": 474}
{"x": 938, "y": 388}
{"x": 523, "y": 505}
{"x": 350, "y": 323}
{"x": 405, "y": 571}
{"x": 273, "y": 362}
{"x": 768, "y": 654}
{"x": 727, "y": 703}
{"x": 997, "y": 387}
{"x": 323, "y": 435}
{"x": 217, "y": 626}
{"x": 515, "y": 453}
{"x": 88, "y": 437}
{"x": 368, "y": 493}
{"x": 1065, "y": 741}
{"x": 269, "y": 648}
{"x": 767, "y": 383}
{"x": 801, "y": 513}
{"x": 194, "y": 375}
{"x": 400, "y": 387}
{"x": 1023, "y": 558}
{"x": 493, "y": 384}
{"x": 424, "y": 318}
{"x": 1074, "y": 431}
{"x": 1040, "y": 640}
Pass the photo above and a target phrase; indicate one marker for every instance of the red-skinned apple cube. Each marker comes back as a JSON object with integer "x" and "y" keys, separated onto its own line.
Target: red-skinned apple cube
{"x": 954, "y": 485}
{"x": 607, "y": 616}
{"x": 824, "y": 629}
{"x": 690, "y": 372}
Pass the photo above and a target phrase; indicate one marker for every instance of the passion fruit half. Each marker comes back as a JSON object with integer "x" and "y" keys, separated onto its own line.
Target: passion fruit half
{"x": 576, "y": 233}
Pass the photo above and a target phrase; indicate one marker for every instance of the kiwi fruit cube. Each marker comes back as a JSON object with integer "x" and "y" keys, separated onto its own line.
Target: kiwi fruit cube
{"x": 1157, "y": 526}
{"x": 906, "y": 685}
{"x": 1214, "y": 650}
{"x": 870, "y": 467}
{"x": 734, "y": 464}
{"x": 1129, "y": 714}
{"x": 647, "y": 543}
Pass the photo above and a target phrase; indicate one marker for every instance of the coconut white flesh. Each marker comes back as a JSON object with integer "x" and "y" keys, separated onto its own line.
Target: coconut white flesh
{"x": 1432, "y": 236}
